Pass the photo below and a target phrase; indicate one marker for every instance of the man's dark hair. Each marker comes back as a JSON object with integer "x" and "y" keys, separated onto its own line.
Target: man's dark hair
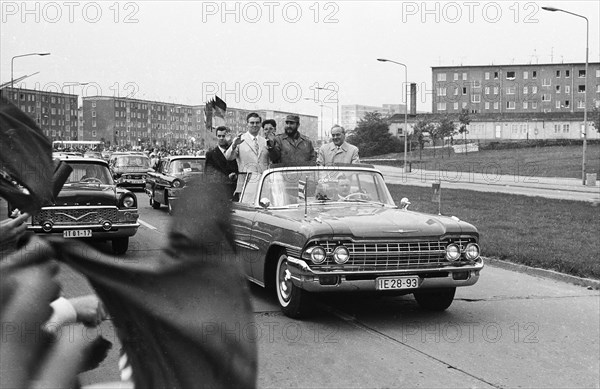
{"x": 221, "y": 128}
{"x": 269, "y": 121}
{"x": 252, "y": 115}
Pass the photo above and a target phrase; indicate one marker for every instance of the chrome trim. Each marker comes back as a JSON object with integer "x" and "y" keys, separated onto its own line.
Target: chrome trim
{"x": 61, "y": 227}
{"x": 246, "y": 245}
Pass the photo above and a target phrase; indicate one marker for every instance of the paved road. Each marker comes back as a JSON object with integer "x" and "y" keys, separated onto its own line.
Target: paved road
{"x": 554, "y": 187}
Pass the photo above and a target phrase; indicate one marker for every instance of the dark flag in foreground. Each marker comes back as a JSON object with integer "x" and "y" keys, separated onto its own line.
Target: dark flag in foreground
{"x": 208, "y": 116}
{"x": 219, "y": 107}
{"x": 214, "y": 109}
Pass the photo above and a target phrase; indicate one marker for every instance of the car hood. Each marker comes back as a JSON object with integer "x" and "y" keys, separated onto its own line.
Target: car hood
{"x": 366, "y": 222}
{"x": 86, "y": 194}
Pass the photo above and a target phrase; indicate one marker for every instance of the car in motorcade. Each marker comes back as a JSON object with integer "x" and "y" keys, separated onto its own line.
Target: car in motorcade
{"x": 90, "y": 206}
{"x": 165, "y": 184}
{"x": 305, "y": 230}
{"x": 93, "y": 154}
{"x": 129, "y": 170}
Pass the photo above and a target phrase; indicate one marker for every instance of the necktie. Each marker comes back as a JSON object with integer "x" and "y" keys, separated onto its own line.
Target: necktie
{"x": 256, "y": 144}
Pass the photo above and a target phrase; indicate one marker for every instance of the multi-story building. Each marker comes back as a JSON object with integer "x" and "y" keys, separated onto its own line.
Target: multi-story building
{"x": 131, "y": 122}
{"x": 55, "y": 113}
{"x": 352, "y": 114}
{"x": 524, "y": 88}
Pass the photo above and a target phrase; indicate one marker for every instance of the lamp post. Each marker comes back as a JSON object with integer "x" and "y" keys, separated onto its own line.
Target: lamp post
{"x": 337, "y": 103}
{"x": 405, "y": 108}
{"x": 321, "y": 119}
{"x": 587, "y": 40}
{"x": 12, "y": 60}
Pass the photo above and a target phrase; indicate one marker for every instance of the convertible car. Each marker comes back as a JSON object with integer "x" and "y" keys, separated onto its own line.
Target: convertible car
{"x": 307, "y": 230}
{"x": 90, "y": 206}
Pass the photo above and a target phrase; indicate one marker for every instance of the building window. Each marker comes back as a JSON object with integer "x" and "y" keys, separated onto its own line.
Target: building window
{"x": 557, "y": 104}
{"x": 510, "y": 90}
{"x": 495, "y": 75}
{"x": 582, "y": 73}
{"x": 567, "y": 73}
{"x": 525, "y": 90}
{"x": 441, "y": 77}
{"x": 441, "y": 106}
{"x": 567, "y": 104}
{"x": 581, "y": 89}
{"x": 558, "y": 89}
{"x": 510, "y": 105}
{"x": 546, "y": 97}
{"x": 534, "y": 105}
{"x": 558, "y": 74}
{"x": 496, "y": 90}
{"x": 567, "y": 88}
{"x": 534, "y": 89}
{"x": 464, "y": 90}
{"x": 464, "y": 76}
{"x": 510, "y": 75}
{"x": 441, "y": 91}
{"x": 487, "y": 90}
{"x": 487, "y": 105}
{"x": 455, "y": 76}
{"x": 525, "y": 75}
{"x": 598, "y": 88}
{"x": 476, "y": 83}
{"x": 487, "y": 75}
{"x": 93, "y": 114}
{"x": 476, "y": 98}
{"x": 514, "y": 128}
{"x": 565, "y": 128}
{"x": 464, "y": 104}
{"x": 93, "y": 104}
{"x": 524, "y": 104}
{"x": 93, "y": 133}
{"x": 581, "y": 104}
{"x": 496, "y": 105}
{"x": 93, "y": 122}
{"x": 534, "y": 74}
{"x": 546, "y": 82}
{"x": 455, "y": 106}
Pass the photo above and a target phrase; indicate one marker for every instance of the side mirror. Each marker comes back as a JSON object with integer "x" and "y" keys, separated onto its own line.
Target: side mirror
{"x": 264, "y": 202}
{"x": 404, "y": 203}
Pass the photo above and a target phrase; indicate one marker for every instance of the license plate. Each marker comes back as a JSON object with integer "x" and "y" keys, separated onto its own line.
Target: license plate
{"x": 77, "y": 234}
{"x": 394, "y": 283}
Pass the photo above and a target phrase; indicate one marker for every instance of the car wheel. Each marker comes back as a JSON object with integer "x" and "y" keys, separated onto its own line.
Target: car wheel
{"x": 120, "y": 245}
{"x": 294, "y": 302}
{"x": 435, "y": 299}
{"x": 155, "y": 204}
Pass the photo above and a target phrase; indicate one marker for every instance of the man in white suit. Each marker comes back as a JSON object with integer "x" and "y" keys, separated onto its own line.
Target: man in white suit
{"x": 250, "y": 149}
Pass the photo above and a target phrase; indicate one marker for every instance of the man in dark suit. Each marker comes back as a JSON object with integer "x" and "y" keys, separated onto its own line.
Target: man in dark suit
{"x": 216, "y": 161}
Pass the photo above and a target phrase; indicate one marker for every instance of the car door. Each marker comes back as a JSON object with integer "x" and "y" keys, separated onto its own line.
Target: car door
{"x": 242, "y": 219}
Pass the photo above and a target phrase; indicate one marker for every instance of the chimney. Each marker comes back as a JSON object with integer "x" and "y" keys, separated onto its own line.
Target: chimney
{"x": 413, "y": 98}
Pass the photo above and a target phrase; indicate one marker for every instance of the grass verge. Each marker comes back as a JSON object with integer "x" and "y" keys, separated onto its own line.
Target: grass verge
{"x": 558, "y": 235}
{"x": 553, "y": 161}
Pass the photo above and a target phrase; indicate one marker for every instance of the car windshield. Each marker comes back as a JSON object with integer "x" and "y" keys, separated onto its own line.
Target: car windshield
{"x": 89, "y": 173}
{"x": 287, "y": 187}
{"x": 179, "y": 166}
{"x": 133, "y": 161}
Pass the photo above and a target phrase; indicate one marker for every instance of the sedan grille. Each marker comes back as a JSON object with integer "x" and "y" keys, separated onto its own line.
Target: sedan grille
{"x": 79, "y": 215}
{"x": 376, "y": 256}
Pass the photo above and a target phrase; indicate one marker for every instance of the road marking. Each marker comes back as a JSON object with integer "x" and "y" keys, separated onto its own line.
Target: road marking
{"x": 150, "y": 226}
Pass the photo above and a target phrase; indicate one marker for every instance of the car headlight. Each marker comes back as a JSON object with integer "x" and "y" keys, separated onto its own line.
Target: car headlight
{"x": 472, "y": 251}
{"x": 177, "y": 183}
{"x": 452, "y": 252}
{"x": 341, "y": 255}
{"x": 316, "y": 254}
{"x": 128, "y": 201}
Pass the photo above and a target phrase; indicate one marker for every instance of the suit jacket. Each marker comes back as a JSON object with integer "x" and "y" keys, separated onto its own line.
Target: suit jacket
{"x": 289, "y": 150}
{"x": 217, "y": 163}
{"x": 250, "y": 159}
{"x": 330, "y": 154}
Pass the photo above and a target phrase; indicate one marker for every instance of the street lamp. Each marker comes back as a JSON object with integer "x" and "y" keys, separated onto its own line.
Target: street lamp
{"x": 19, "y": 56}
{"x": 337, "y": 103}
{"x": 587, "y": 40}
{"x": 70, "y": 84}
{"x": 405, "y": 108}
{"x": 321, "y": 118}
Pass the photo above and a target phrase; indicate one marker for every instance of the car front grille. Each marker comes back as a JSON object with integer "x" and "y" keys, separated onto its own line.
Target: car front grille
{"x": 133, "y": 176}
{"x": 376, "y": 256}
{"x": 79, "y": 215}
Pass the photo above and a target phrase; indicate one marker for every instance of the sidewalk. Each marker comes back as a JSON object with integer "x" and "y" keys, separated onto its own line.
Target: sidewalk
{"x": 550, "y": 187}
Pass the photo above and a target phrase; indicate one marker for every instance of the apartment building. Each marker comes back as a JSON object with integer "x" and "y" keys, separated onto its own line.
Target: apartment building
{"x": 352, "y": 114}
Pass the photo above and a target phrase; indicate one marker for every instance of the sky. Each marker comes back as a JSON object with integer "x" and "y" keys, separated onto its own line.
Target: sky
{"x": 273, "y": 55}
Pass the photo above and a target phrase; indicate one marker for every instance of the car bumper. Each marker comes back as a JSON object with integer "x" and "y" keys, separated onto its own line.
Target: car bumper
{"x": 116, "y": 231}
{"x": 443, "y": 277}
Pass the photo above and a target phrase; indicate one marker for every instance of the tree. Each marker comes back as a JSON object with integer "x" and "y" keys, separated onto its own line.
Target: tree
{"x": 372, "y": 136}
{"x": 445, "y": 129}
{"x": 418, "y": 136}
{"x": 595, "y": 117}
{"x": 464, "y": 119}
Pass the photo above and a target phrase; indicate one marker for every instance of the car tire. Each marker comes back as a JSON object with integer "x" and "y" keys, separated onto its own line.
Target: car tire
{"x": 155, "y": 204}
{"x": 435, "y": 299}
{"x": 120, "y": 245}
{"x": 294, "y": 302}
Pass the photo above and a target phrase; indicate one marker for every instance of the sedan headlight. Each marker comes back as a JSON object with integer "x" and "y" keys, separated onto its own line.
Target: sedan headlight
{"x": 317, "y": 254}
{"x": 128, "y": 201}
{"x": 177, "y": 183}
{"x": 472, "y": 251}
{"x": 341, "y": 255}
{"x": 452, "y": 252}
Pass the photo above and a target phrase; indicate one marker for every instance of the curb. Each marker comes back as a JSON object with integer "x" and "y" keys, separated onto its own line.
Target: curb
{"x": 588, "y": 283}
